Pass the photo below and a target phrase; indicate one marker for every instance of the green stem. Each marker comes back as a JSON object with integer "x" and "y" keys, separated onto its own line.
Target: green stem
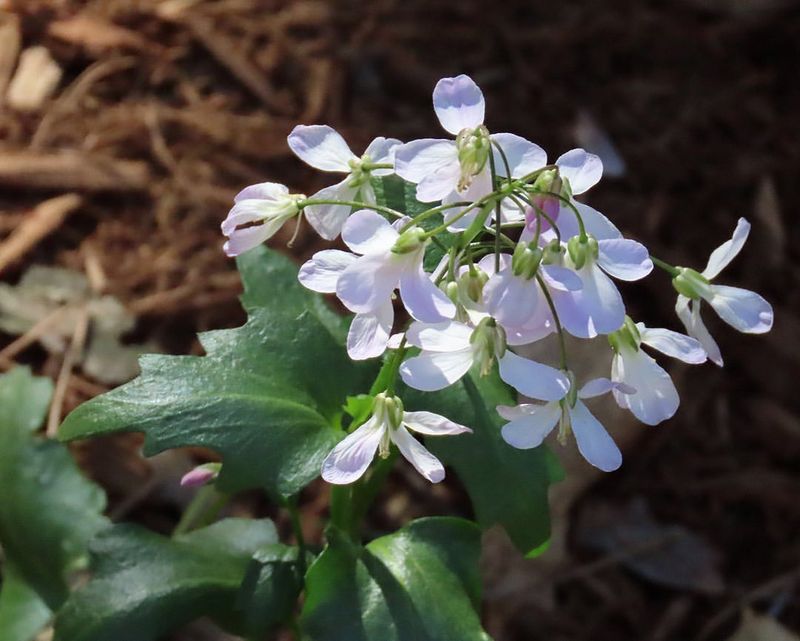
{"x": 561, "y": 339}
{"x": 671, "y": 270}
{"x": 356, "y": 204}
{"x": 294, "y": 516}
{"x": 498, "y": 223}
{"x": 202, "y": 510}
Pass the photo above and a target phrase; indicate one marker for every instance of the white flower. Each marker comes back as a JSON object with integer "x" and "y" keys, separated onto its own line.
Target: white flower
{"x": 596, "y": 308}
{"x": 656, "y": 398}
{"x": 529, "y": 424}
{"x": 388, "y": 260}
{"x": 323, "y": 148}
{"x": 388, "y": 424}
{"x": 450, "y": 349}
{"x": 742, "y": 309}
{"x": 259, "y": 211}
{"x": 369, "y": 332}
{"x": 580, "y": 169}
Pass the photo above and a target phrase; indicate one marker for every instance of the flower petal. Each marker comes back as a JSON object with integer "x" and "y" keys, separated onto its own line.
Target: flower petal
{"x": 530, "y": 430}
{"x": 594, "y": 442}
{"x": 367, "y": 232}
{"x": 582, "y": 169}
{"x": 458, "y": 103}
{"x": 513, "y": 412}
{"x": 439, "y": 184}
{"x": 595, "y": 223}
{"x": 381, "y": 150}
{"x": 262, "y": 191}
{"x": 439, "y": 337}
{"x": 595, "y": 309}
{"x": 369, "y": 333}
{"x": 742, "y": 309}
{"x": 533, "y": 379}
{"x": 328, "y": 220}
{"x": 432, "y": 371}
{"x": 432, "y": 424}
{"x": 689, "y": 313}
{"x": 420, "y": 158}
{"x": 424, "y": 301}
{"x": 561, "y": 278}
{"x": 596, "y": 387}
{"x": 522, "y": 155}
{"x": 322, "y": 271}
{"x": 242, "y": 240}
{"x": 656, "y": 398}
{"x": 480, "y": 186}
{"x": 321, "y": 147}
{"x": 369, "y": 282}
{"x": 728, "y": 250}
{"x": 351, "y": 457}
{"x": 511, "y": 299}
{"x": 684, "y": 348}
{"x": 624, "y": 259}
{"x": 415, "y": 453}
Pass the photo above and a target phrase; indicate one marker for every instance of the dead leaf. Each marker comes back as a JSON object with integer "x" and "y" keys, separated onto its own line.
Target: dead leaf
{"x": 756, "y": 627}
{"x": 665, "y": 554}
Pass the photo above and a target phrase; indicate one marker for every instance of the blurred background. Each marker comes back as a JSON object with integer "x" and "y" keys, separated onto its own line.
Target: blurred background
{"x": 126, "y": 127}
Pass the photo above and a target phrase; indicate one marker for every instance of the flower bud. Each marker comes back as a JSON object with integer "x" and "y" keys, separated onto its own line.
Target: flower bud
{"x": 474, "y": 147}
{"x": 201, "y": 475}
{"x": 553, "y": 253}
{"x": 451, "y": 291}
{"x": 471, "y": 282}
{"x": 581, "y": 250}
{"x": 359, "y": 173}
{"x": 410, "y": 241}
{"x": 691, "y": 283}
{"x": 488, "y": 342}
{"x": 387, "y": 410}
{"x": 526, "y": 260}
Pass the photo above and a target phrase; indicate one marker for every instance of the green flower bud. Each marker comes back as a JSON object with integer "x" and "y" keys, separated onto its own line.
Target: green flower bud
{"x": 359, "y": 171}
{"x": 474, "y": 147}
{"x": 526, "y": 260}
{"x": 387, "y": 410}
{"x": 581, "y": 250}
{"x": 410, "y": 241}
{"x": 545, "y": 181}
{"x": 451, "y": 290}
{"x": 470, "y": 284}
{"x": 553, "y": 253}
{"x": 691, "y": 283}
{"x": 488, "y": 342}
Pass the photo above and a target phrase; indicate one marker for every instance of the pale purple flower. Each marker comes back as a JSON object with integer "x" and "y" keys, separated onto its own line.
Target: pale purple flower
{"x": 742, "y": 309}
{"x": 389, "y": 424}
{"x": 530, "y": 423}
{"x": 454, "y": 170}
{"x": 597, "y": 308}
{"x": 656, "y": 397}
{"x": 450, "y": 349}
{"x": 258, "y": 212}
{"x": 369, "y": 332}
{"x": 389, "y": 260}
{"x": 323, "y": 148}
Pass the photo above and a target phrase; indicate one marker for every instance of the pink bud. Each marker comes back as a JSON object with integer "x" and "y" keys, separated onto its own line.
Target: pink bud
{"x": 201, "y": 475}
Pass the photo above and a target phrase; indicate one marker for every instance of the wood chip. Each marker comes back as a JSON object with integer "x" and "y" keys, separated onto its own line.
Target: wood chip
{"x": 43, "y": 220}
{"x": 71, "y": 170}
{"x": 10, "y": 44}
{"x": 35, "y": 81}
{"x": 96, "y": 35}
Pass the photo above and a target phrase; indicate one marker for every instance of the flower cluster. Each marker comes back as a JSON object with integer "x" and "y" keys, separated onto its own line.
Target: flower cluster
{"x": 521, "y": 260}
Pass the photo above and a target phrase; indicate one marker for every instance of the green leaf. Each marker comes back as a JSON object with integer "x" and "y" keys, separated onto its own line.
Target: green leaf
{"x": 418, "y": 584}
{"x": 145, "y": 585}
{"x": 266, "y": 396}
{"x": 270, "y": 588}
{"x": 507, "y": 486}
{"x": 23, "y": 614}
{"x": 48, "y": 510}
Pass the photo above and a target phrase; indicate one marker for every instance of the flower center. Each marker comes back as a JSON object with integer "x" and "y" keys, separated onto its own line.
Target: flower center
{"x": 474, "y": 147}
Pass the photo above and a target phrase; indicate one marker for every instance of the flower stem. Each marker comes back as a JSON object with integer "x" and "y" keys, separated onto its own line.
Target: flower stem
{"x": 561, "y": 339}
{"x": 671, "y": 270}
{"x": 201, "y": 511}
{"x": 356, "y": 204}
{"x": 498, "y": 223}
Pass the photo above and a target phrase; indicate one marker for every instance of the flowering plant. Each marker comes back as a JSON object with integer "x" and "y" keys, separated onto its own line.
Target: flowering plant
{"x": 460, "y": 252}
